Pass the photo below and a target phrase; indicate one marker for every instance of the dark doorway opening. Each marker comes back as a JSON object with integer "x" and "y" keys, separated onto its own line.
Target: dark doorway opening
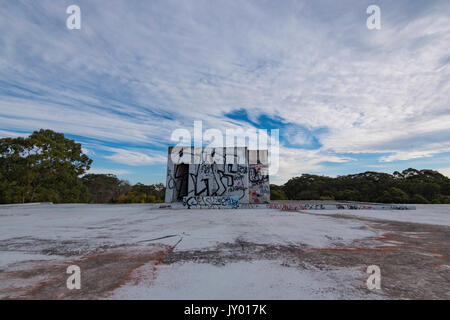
{"x": 181, "y": 178}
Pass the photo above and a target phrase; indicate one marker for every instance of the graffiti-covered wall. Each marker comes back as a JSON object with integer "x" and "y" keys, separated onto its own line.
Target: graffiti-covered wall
{"x": 207, "y": 172}
{"x": 258, "y": 185}
{"x": 177, "y": 174}
{"x": 258, "y": 176}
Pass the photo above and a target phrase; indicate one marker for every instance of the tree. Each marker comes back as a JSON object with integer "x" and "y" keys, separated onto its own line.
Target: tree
{"x": 44, "y": 166}
{"x": 105, "y": 188}
{"x": 141, "y": 193}
{"x": 371, "y": 186}
{"x": 394, "y": 195}
{"x": 349, "y": 195}
{"x": 153, "y": 192}
{"x": 417, "y": 198}
{"x": 277, "y": 193}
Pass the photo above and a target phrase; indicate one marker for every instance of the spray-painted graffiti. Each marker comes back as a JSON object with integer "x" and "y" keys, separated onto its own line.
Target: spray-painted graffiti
{"x": 295, "y": 207}
{"x": 227, "y": 175}
{"x": 218, "y": 180}
{"x": 398, "y": 207}
{"x": 199, "y": 202}
{"x": 258, "y": 174}
{"x": 233, "y": 203}
{"x": 258, "y": 183}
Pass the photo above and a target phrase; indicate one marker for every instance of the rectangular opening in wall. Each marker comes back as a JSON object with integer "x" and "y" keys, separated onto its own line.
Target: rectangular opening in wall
{"x": 181, "y": 181}
{"x": 263, "y": 157}
{"x": 252, "y": 156}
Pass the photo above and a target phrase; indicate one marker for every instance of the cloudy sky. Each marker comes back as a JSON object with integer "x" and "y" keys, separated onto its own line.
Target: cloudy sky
{"x": 346, "y": 99}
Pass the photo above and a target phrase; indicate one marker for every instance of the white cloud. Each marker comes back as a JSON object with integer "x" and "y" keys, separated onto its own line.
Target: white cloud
{"x": 12, "y": 134}
{"x": 445, "y": 171}
{"x": 134, "y": 158}
{"x": 312, "y": 63}
{"x": 87, "y": 151}
{"x": 408, "y": 155}
{"x": 295, "y": 162}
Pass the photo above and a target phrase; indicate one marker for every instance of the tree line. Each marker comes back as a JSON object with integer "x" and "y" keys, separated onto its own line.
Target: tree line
{"x": 107, "y": 188}
{"x": 409, "y": 186}
{"x": 48, "y": 167}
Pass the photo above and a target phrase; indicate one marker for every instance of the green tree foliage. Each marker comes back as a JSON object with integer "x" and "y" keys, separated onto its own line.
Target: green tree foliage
{"x": 156, "y": 190}
{"x": 394, "y": 195}
{"x": 141, "y": 193}
{"x": 417, "y": 198}
{"x": 44, "y": 166}
{"x": 277, "y": 193}
{"x": 408, "y": 186}
{"x": 107, "y": 188}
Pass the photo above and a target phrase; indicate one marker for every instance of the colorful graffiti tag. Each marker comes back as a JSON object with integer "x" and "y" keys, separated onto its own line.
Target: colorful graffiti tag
{"x": 218, "y": 172}
{"x": 296, "y": 207}
{"x": 199, "y": 202}
{"x": 258, "y": 183}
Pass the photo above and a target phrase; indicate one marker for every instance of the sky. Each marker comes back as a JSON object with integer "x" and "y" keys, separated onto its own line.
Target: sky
{"x": 345, "y": 99}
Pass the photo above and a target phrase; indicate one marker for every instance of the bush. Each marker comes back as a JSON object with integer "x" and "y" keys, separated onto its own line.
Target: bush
{"x": 394, "y": 195}
{"x": 277, "y": 195}
{"x": 417, "y": 198}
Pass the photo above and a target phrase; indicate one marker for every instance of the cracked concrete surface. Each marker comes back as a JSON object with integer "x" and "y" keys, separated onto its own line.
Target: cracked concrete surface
{"x": 413, "y": 257}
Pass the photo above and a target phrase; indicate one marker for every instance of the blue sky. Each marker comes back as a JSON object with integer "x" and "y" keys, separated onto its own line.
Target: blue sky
{"x": 346, "y": 99}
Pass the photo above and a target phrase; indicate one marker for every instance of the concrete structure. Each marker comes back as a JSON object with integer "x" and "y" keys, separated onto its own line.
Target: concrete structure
{"x": 217, "y": 176}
